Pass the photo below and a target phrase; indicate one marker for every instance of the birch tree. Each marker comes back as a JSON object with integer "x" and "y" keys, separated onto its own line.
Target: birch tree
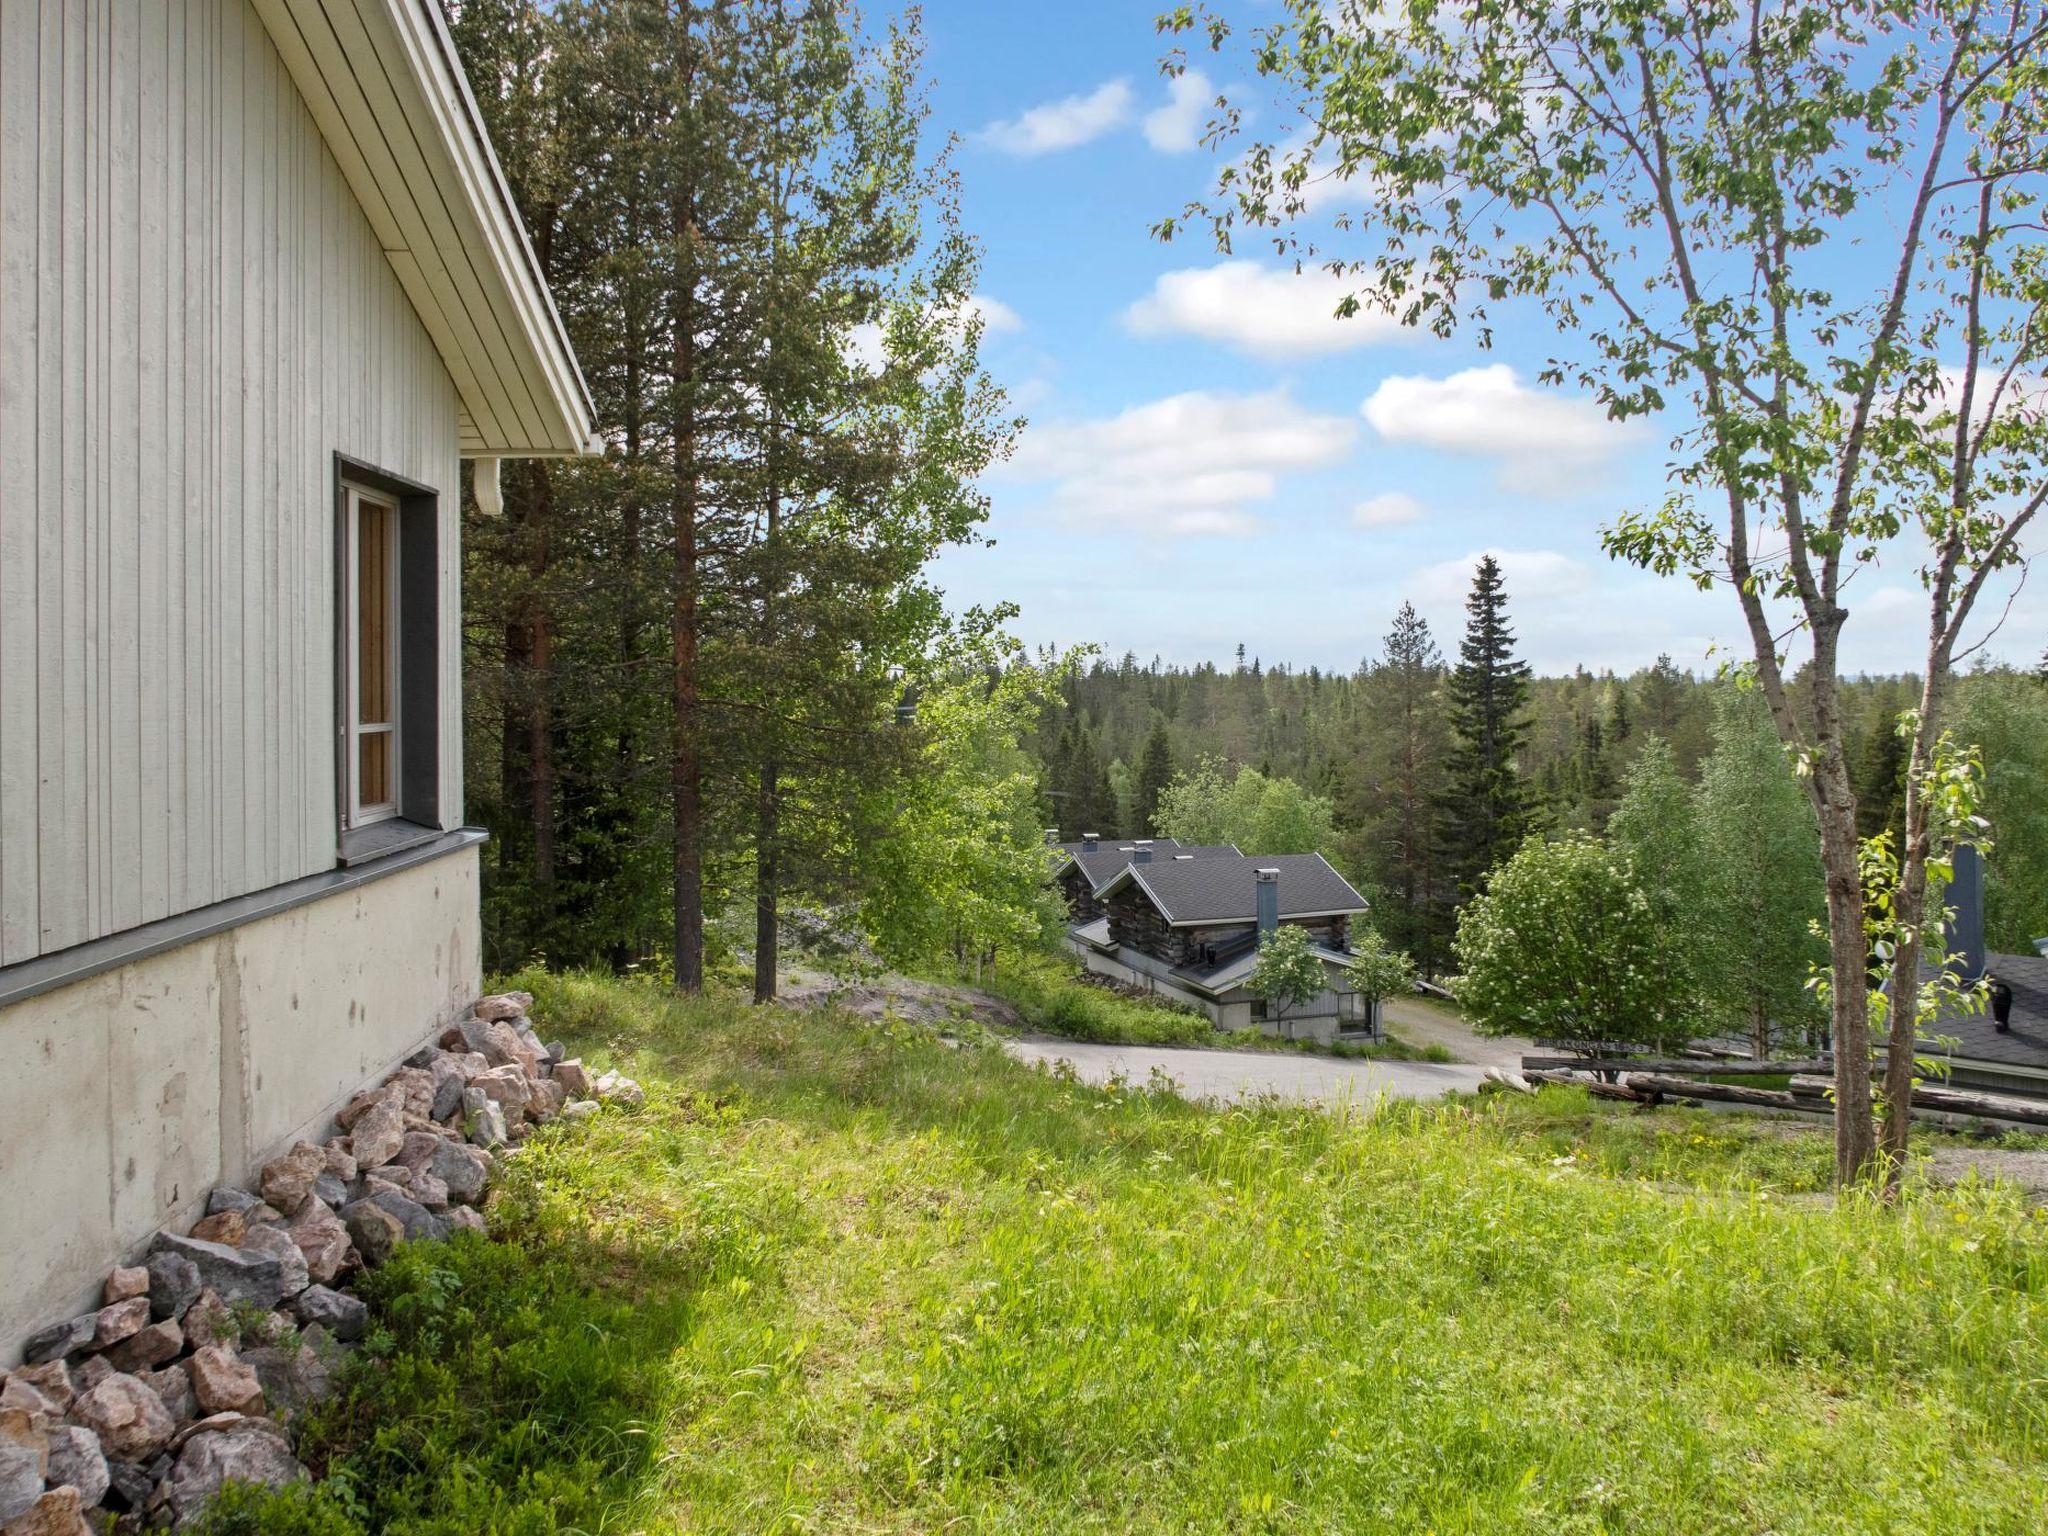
{"x": 1805, "y": 236}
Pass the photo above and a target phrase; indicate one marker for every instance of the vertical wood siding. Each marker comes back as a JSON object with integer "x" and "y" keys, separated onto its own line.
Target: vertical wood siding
{"x": 195, "y": 316}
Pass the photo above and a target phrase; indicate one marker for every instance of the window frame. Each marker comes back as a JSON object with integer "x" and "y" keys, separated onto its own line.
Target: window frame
{"x": 356, "y": 498}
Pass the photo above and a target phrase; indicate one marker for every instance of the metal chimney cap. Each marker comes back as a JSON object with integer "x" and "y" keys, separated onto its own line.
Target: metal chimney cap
{"x": 1266, "y": 874}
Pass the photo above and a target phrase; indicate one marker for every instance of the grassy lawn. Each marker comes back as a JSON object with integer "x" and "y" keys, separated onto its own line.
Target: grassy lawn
{"x": 844, "y": 1278}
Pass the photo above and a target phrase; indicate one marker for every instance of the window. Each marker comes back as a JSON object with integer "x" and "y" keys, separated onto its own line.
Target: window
{"x": 387, "y": 662}
{"x": 370, "y": 756}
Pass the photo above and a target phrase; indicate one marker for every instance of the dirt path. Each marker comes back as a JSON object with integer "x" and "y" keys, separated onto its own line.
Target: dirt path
{"x": 1420, "y": 1021}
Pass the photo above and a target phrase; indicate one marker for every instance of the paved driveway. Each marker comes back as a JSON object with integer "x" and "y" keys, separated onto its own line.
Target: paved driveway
{"x": 1226, "y": 1075}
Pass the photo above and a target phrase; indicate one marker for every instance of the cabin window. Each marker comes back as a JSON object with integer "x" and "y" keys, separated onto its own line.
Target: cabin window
{"x": 371, "y": 755}
{"x": 387, "y": 662}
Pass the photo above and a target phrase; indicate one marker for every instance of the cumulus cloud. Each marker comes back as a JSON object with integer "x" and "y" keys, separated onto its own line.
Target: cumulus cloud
{"x": 1537, "y": 435}
{"x": 1529, "y": 575}
{"x": 867, "y": 350}
{"x": 1390, "y": 509}
{"x": 1195, "y": 463}
{"x": 997, "y": 318}
{"x": 1269, "y": 312}
{"x": 1177, "y": 127}
{"x": 1063, "y": 124}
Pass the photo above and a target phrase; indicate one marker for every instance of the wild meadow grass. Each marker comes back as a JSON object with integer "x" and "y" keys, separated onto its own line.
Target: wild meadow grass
{"x": 844, "y": 1277}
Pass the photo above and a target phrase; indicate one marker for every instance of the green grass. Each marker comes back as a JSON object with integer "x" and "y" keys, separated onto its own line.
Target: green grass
{"x": 841, "y": 1277}
{"x": 1048, "y": 992}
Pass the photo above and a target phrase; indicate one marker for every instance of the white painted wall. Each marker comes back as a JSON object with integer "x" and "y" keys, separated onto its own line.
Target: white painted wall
{"x": 129, "y": 1096}
{"x": 195, "y": 316}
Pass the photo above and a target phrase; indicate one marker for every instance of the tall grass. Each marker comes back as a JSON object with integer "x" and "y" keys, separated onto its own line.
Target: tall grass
{"x": 843, "y": 1277}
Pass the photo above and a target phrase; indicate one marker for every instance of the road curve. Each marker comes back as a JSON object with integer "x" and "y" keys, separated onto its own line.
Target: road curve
{"x": 1223, "y": 1076}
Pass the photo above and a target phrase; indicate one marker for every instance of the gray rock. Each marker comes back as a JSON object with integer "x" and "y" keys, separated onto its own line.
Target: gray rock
{"x": 150, "y": 1346}
{"x": 429, "y": 1191}
{"x": 374, "y": 1230}
{"x": 417, "y": 1221}
{"x": 294, "y": 1273}
{"x": 464, "y": 1169}
{"x": 243, "y": 1450}
{"x": 484, "y": 1120}
{"x": 292, "y": 1378}
{"x": 60, "y": 1339}
{"x": 174, "y": 1386}
{"x": 226, "y": 1197}
{"x": 580, "y": 1109}
{"x": 128, "y": 1486}
{"x": 330, "y": 1190}
{"x": 463, "y": 1218}
{"x": 238, "y": 1274}
{"x": 174, "y": 1285}
{"x": 557, "y": 1053}
{"x": 339, "y": 1313}
{"x": 21, "y": 1480}
{"x": 447, "y": 1098}
{"x": 503, "y": 1005}
{"x": 76, "y": 1458}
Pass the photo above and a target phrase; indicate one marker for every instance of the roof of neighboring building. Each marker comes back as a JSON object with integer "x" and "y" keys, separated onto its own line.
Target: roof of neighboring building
{"x": 1223, "y": 888}
{"x": 2025, "y": 1044}
{"x": 1230, "y": 973}
{"x": 1110, "y": 855}
{"x": 383, "y": 83}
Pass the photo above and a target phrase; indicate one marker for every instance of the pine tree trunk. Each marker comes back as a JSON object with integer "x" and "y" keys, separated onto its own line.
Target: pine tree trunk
{"x": 686, "y": 765}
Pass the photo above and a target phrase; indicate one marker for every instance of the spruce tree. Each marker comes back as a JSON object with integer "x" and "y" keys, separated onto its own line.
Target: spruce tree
{"x": 1155, "y": 772}
{"x": 1403, "y": 742}
{"x": 1483, "y": 808}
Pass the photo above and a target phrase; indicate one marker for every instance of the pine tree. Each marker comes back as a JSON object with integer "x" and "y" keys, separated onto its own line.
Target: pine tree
{"x": 1090, "y": 799}
{"x": 1155, "y": 772}
{"x": 1483, "y": 809}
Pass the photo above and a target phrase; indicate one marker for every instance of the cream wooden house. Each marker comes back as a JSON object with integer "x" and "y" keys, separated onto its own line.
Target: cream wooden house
{"x": 261, "y": 289}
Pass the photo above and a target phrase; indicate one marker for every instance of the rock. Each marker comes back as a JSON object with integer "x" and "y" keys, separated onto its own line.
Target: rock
{"x": 287, "y": 1181}
{"x": 242, "y": 1450}
{"x": 416, "y": 1090}
{"x": 236, "y": 1274}
{"x": 340, "y": 1314}
{"x": 376, "y": 1185}
{"x": 22, "y": 1428}
{"x": 292, "y": 1378}
{"x": 128, "y": 1486}
{"x": 173, "y": 1285}
{"x": 120, "y": 1321}
{"x": 51, "y": 1380}
{"x": 330, "y": 1190}
{"x": 354, "y": 1110}
{"x": 150, "y": 1346}
{"x": 416, "y": 1221}
{"x": 615, "y": 1088}
{"x": 24, "y": 1397}
{"x": 130, "y": 1420}
{"x": 429, "y": 1191}
{"x": 226, "y": 1197}
{"x": 503, "y": 1005}
{"x": 124, "y": 1284}
{"x": 579, "y": 1109}
{"x": 322, "y": 1239}
{"x": 174, "y": 1388}
{"x": 60, "y": 1339}
{"x": 447, "y": 1098}
{"x": 228, "y": 1228}
{"x": 293, "y": 1272}
{"x": 21, "y": 1479}
{"x": 222, "y": 1383}
{"x": 208, "y": 1321}
{"x": 377, "y": 1135}
{"x": 501, "y": 1045}
{"x": 462, "y": 1218}
{"x": 557, "y": 1052}
{"x": 59, "y": 1512}
{"x": 508, "y": 1087}
{"x": 484, "y": 1121}
{"x": 465, "y": 1170}
{"x": 574, "y": 1080}
{"x": 89, "y": 1373}
{"x": 76, "y": 1458}
{"x": 340, "y": 1161}
{"x": 548, "y": 1098}
{"x": 374, "y": 1230}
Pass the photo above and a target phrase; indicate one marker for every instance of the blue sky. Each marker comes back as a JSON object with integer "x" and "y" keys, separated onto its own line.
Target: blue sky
{"x": 1211, "y": 459}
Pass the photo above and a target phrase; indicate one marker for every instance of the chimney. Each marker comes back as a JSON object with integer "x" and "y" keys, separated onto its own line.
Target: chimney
{"x": 1964, "y": 932}
{"x": 2001, "y": 1006}
{"x": 1052, "y": 837}
{"x": 1266, "y": 886}
{"x": 1088, "y": 840}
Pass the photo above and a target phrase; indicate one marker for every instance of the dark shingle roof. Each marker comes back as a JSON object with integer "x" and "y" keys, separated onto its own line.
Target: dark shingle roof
{"x": 1111, "y": 855}
{"x": 1222, "y": 889}
{"x": 1977, "y": 1036}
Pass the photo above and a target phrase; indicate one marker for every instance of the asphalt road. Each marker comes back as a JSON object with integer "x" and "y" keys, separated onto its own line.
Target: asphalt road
{"x": 1226, "y": 1075}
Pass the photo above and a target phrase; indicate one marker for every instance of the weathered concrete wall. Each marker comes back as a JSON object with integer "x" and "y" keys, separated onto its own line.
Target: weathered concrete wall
{"x": 126, "y": 1097}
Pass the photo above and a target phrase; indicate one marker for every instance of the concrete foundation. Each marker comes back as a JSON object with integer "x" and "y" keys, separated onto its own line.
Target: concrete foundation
{"x": 126, "y": 1097}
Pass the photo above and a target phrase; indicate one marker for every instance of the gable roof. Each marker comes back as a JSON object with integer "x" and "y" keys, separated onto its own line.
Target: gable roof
{"x": 1111, "y": 855}
{"x": 383, "y": 83}
{"x": 1223, "y": 888}
{"x": 1977, "y": 1036}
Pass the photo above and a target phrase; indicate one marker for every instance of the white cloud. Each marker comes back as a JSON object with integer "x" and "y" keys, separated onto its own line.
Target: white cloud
{"x": 1540, "y": 436}
{"x": 1063, "y": 124}
{"x": 866, "y": 348}
{"x": 1267, "y": 311}
{"x": 1177, "y": 127}
{"x": 1389, "y": 509}
{"x": 1195, "y": 463}
{"x": 997, "y": 318}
